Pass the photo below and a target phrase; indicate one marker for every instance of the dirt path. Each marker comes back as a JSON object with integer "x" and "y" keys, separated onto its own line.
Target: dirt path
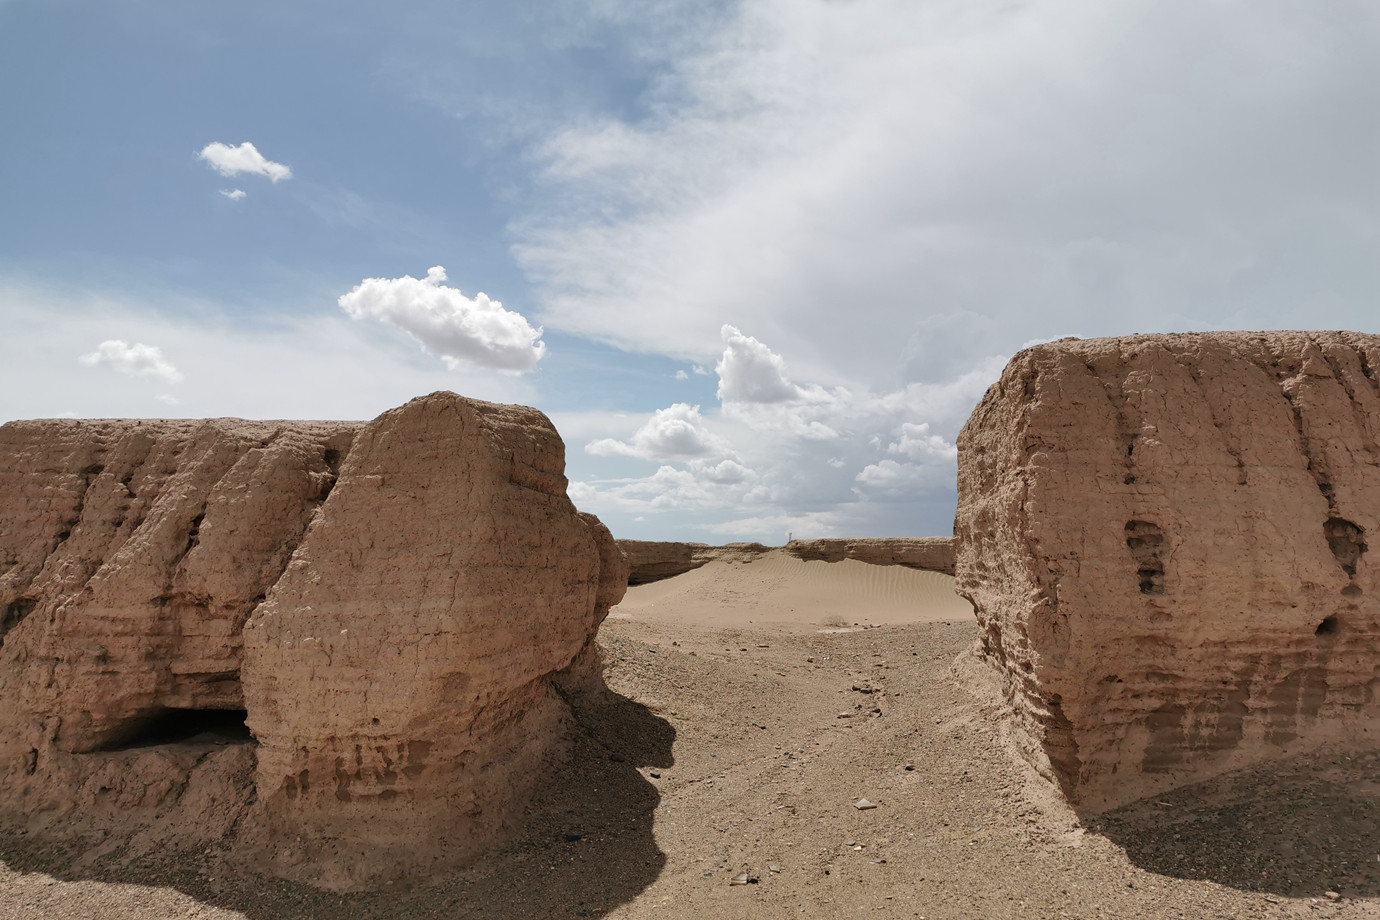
{"x": 730, "y": 750}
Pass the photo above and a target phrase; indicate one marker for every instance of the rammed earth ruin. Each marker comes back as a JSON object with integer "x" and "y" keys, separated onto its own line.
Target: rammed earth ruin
{"x": 1167, "y": 541}
{"x": 336, "y": 644}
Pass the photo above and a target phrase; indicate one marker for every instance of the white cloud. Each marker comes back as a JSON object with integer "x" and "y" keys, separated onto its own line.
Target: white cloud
{"x": 676, "y": 432}
{"x": 231, "y": 161}
{"x": 954, "y": 177}
{"x": 873, "y": 462}
{"x": 271, "y": 368}
{"x": 681, "y": 375}
{"x": 137, "y": 360}
{"x": 917, "y": 443}
{"x": 725, "y": 472}
{"x": 457, "y": 329}
{"x": 751, "y": 372}
{"x": 234, "y": 194}
{"x": 889, "y": 479}
{"x": 668, "y": 490}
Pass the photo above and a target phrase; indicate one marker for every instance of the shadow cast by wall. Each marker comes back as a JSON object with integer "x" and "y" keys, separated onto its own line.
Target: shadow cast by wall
{"x": 1296, "y": 828}
{"x": 585, "y": 846}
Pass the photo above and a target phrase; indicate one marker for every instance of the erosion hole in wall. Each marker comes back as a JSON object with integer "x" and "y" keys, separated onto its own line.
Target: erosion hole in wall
{"x": 1146, "y": 542}
{"x": 15, "y": 612}
{"x": 1347, "y": 542}
{"x": 183, "y": 726}
{"x": 1328, "y": 627}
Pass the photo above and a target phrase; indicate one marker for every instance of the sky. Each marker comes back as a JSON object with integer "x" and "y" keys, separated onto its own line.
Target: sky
{"x": 756, "y": 259}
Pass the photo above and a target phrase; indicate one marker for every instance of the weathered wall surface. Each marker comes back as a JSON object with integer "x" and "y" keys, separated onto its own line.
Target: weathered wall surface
{"x": 131, "y": 555}
{"x": 388, "y": 604}
{"x": 398, "y": 676}
{"x": 652, "y": 561}
{"x": 1166, "y": 542}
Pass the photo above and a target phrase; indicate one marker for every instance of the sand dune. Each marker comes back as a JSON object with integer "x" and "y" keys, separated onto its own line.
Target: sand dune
{"x": 783, "y": 591}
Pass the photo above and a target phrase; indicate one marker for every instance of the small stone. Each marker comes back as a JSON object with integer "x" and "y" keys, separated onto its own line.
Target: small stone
{"x": 844, "y": 715}
{"x": 864, "y": 805}
{"x": 774, "y": 868}
{"x": 740, "y": 879}
{"x": 654, "y": 775}
{"x": 1332, "y": 895}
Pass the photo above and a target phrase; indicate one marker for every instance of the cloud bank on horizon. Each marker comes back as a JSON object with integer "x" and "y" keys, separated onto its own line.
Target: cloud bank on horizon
{"x": 760, "y": 258}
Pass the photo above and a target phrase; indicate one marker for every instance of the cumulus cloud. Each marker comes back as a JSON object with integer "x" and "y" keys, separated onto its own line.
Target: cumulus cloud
{"x": 457, "y": 329}
{"x": 883, "y": 461}
{"x": 676, "y": 432}
{"x": 917, "y": 443}
{"x": 751, "y": 372}
{"x": 137, "y": 360}
{"x": 288, "y": 360}
{"x": 233, "y": 194}
{"x": 668, "y": 490}
{"x": 231, "y": 161}
{"x": 889, "y": 479}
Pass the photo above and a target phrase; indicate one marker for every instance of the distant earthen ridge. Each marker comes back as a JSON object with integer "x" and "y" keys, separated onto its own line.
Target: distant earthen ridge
{"x": 330, "y": 647}
{"x": 1167, "y": 539}
{"x": 650, "y": 561}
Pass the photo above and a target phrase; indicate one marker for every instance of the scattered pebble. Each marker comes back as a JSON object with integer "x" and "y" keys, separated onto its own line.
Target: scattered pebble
{"x": 864, "y": 805}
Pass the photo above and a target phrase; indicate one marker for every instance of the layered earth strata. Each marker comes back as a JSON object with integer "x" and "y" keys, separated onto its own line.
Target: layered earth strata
{"x": 1165, "y": 539}
{"x": 652, "y": 561}
{"x": 334, "y": 645}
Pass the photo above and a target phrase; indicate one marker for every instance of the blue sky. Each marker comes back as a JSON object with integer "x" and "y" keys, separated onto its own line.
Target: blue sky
{"x": 756, "y": 259}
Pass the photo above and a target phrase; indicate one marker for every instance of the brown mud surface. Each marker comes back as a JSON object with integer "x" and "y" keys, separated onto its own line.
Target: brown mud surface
{"x": 739, "y": 742}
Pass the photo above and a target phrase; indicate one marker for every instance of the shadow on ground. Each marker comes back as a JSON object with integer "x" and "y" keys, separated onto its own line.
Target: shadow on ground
{"x": 1296, "y": 828}
{"x": 586, "y": 844}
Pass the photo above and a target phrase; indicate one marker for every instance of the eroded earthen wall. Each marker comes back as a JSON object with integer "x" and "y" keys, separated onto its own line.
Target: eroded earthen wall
{"x": 399, "y": 674}
{"x": 1166, "y": 540}
{"x": 387, "y": 606}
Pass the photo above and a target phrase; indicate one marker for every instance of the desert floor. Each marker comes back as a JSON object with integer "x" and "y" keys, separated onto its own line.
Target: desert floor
{"x": 754, "y": 704}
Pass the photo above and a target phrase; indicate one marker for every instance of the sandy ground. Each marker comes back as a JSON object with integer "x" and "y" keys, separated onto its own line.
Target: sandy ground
{"x": 749, "y": 715}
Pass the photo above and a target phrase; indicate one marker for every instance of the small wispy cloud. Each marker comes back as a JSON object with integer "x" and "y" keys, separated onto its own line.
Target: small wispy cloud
{"x": 233, "y": 194}
{"x": 457, "y": 329}
{"x": 231, "y": 161}
{"x": 137, "y": 360}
